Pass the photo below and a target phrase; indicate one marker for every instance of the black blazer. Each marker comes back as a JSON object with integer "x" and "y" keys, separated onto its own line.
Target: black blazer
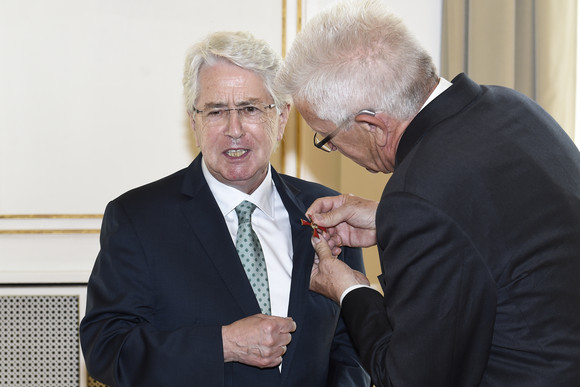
{"x": 478, "y": 232}
{"x": 168, "y": 277}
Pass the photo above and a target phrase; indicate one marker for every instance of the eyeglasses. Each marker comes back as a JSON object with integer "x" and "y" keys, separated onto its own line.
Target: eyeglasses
{"x": 248, "y": 114}
{"x": 322, "y": 143}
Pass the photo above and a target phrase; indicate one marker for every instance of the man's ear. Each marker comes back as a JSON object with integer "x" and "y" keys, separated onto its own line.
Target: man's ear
{"x": 191, "y": 121}
{"x": 376, "y": 124}
{"x": 284, "y": 116}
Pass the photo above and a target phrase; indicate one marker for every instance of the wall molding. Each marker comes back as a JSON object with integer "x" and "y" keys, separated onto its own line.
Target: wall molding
{"x": 50, "y": 223}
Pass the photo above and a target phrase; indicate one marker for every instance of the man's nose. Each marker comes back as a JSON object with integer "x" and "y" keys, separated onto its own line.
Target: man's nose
{"x": 234, "y": 124}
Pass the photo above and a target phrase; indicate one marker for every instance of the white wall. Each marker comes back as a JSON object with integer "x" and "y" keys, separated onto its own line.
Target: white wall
{"x": 91, "y": 106}
{"x": 91, "y": 94}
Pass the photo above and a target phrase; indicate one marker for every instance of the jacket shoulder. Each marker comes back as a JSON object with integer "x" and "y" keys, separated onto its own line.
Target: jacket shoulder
{"x": 168, "y": 186}
{"x": 308, "y": 187}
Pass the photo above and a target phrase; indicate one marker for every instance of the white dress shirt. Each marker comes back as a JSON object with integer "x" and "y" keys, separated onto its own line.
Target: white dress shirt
{"x": 271, "y": 223}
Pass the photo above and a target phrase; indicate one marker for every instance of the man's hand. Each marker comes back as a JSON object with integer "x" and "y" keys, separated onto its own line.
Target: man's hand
{"x": 257, "y": 340}
{"x": 331, "y": 276}
{"x": 349, "y": 219}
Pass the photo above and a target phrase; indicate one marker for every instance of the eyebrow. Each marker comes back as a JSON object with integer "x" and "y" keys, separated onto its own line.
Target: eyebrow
{"x": 214, "y": 105}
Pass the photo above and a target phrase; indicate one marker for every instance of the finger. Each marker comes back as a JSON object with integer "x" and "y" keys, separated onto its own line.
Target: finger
{"x": 323, "y": 204}
{"x": 284, "y": 339}
{"x": 332, "y": 216}
{"x": 326, "y": 219}
{"x": 334, "y": 243}
{"x": 322, "y": 249}
{"x": 288, "y": 325}
{"x": 334, "y": 248}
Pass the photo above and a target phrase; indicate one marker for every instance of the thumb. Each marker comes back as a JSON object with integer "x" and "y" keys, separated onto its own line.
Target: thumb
{"x": 322, "y": 248}
{"x": 327, "y": 219}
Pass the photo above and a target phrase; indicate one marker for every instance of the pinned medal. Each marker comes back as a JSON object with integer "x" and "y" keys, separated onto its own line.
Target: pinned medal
{"x": 316, "y": 230}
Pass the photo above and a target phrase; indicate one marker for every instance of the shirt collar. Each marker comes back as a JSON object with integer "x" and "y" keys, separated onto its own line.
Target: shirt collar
{"x": 442, "y": 85}
{"x": 228, "y": 197}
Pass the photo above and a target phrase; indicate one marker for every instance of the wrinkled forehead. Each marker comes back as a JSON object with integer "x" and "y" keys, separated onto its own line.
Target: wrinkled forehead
{"x": 227, "y": 84}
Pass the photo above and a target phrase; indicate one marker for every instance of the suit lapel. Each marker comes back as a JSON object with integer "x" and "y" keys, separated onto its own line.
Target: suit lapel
{"x": 303, "y": 258}
{"x": 205, "y": 218}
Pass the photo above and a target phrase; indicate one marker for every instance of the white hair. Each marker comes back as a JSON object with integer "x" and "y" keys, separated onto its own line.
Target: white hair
{"x": 357, "y": 55}
{"x": 239, "y": 48}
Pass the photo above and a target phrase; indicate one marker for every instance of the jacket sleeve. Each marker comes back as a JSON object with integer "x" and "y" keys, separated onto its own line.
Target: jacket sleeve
{"x": 120, "y": 346}
{"x": 435, "y": 324}
{"x": 345, "y": 368}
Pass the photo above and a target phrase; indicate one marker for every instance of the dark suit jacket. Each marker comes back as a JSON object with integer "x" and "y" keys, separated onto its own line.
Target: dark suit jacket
{"x": 478, "y": 232}
{"x": 168, "y": 277}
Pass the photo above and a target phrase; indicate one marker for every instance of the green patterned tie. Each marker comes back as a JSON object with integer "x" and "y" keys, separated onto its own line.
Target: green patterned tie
{"x": 250, "y": 252}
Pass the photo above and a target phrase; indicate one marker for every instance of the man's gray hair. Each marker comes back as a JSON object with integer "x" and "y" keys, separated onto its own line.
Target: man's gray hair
{"x": 357, "y": 55}
{"x": 239, "y": 48}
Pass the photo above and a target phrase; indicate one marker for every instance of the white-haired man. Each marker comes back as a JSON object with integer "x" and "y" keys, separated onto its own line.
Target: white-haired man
{"x": 478, "y": 228}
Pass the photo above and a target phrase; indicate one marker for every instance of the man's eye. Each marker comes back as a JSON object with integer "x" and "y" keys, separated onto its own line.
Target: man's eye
{"x": 250, "y": 110}
{"x": 215, "y": 113}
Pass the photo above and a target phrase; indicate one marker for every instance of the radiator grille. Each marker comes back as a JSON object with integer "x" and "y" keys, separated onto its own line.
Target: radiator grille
{"x": 39, "y": 341}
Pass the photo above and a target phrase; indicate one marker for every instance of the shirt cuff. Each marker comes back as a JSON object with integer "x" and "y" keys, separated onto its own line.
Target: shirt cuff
{"x": 349, "y": 289}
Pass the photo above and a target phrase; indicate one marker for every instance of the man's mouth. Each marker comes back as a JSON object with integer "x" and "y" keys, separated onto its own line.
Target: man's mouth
{"x": 236, "y": 152}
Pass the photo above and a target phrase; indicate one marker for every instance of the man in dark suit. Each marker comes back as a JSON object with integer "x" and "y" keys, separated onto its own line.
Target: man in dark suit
{"x": 169, "y": 301}
{"x": 478, "y": 228}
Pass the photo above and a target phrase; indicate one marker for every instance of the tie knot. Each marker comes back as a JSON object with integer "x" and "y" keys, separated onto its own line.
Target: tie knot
{"x": 244, "y": 211}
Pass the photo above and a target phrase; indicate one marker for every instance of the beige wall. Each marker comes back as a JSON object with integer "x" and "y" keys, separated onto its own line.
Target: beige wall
{"x": 370, "y": 186}
{"x": 340, "y": 173}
